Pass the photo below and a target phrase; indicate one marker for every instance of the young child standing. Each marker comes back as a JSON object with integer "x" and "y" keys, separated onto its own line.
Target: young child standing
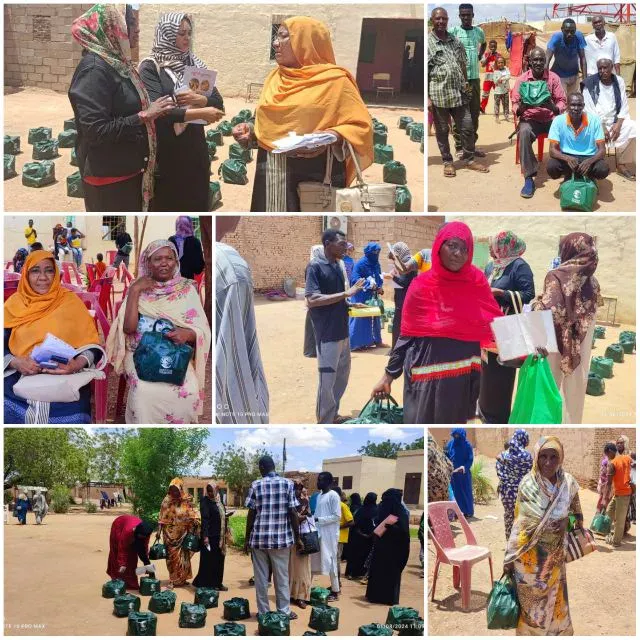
{"x": 501, "y": 77}
{"x": 488, "y": 62}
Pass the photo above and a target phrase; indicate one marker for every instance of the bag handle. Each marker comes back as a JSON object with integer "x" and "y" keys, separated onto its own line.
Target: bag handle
{"x": 516, "y": 301}
{"x": 166, "y": 329}
{"x": 329, "y": 166}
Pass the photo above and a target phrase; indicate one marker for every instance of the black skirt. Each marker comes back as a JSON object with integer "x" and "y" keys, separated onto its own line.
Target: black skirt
{"x": 211, "y": 570}
{"x": 119, "y": 196}
{"x": 496, "y": 391}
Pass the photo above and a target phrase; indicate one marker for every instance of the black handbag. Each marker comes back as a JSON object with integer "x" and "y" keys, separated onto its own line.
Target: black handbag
{"x": 311, "y": 543}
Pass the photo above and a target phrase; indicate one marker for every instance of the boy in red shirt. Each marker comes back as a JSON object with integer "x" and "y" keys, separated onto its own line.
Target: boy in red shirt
{"x": 488, "y": 62}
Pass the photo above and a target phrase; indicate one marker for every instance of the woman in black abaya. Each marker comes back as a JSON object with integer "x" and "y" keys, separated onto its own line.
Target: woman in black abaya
{"x": 361, "y": 537}
{"x": 214, "y": 541}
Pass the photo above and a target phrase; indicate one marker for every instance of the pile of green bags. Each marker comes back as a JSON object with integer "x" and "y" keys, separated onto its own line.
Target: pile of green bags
{"x": 538, "y": 400}
{"x": 9, "y": 166}
{"x": 601, "y": 524}
{"x": 39, "y": 134}
{"x": 382, "y": 153}
{"x": 225, "y": 128}
{"x": 397, "y": 617}
{"x": 149, "y": 586}
{"x": 238, "y": 152}
{"x": 113, "y": 588}
{"x": 229, "y": 629}
{"x": 236, "y": 609}
{"x": 212, "y": 148}
{"x": 319, "y": 596}
{"x": 46, "y": 150}
{"x": 403, "y": 121}
{"x": 12, "y": 145}
{"x": 599, "y": 332}
{"x": 70, "y": 124}
{"x": 215, "y": 136}
{"x": 163, "y": 602}
{"x": 273, "y": 623}
{"x": 123, "y": 605}
{"x": 403, "y": 199}
{"x": 394, "y": 172}
{"x": 142, "y": 623}
{"x": 595, "y": 385}
{"x": 233, "y": 172}
{"x": 374, "y": 629}
{"x": 192, "y": 616}
{"x": 206, "y": 597}
{"x": 158, "y": 551}
{"x": 615, "y": 352}
{"x": 602, "y": 366}
{"x": 503, "y": 608}
{"x": 324, "y": 618}
{"x": 215, "y": 195}
{"x": 74, "y": 158}
{"x": 38, "y": 174}
{"x": 416, "y": 132}
{"x": 74, "y": 185}
{"x": 67, "y": 139}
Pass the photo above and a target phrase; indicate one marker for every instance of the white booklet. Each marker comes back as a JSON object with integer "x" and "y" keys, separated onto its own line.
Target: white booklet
{"x": 52, "y": 346}
{"x": 201, "y": 81}
{"x": 306, "y": 142}
{"x": 517, "y": 336}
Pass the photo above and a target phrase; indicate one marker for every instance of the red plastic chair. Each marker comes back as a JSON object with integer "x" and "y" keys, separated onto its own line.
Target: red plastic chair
{"x": 10, "y": 276}
{"x": 73, "y": 287}
{"x": 462, "y": 558}
{"x": 541, "y": 138}
{"x": 8, "y": 265}
{"x": 199, "y": 278}
{"x": 10, "y": 287}
{"x": 111, "y": 257}
{"x": 104, "y": 288}
{"x": 92, "y": 273}
{"x": 70, "y": 274}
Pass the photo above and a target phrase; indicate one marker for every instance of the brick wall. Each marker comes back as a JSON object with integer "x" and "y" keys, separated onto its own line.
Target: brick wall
{"x": 38, "y": 48}
{"x": 277, "y": 247}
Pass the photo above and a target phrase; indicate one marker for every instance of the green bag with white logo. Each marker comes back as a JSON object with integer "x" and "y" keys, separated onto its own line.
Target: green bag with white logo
{"x": 46, "y": 150}
{"x": 9, "y": 166}
{"x": 38, "y": 174}
{"x": 382, "y": 153}
{"x": 578, "y": 194}
{"x": 12, "y": 145}
{"x": 74, "y": 185}
{"x": 39, "y": 134}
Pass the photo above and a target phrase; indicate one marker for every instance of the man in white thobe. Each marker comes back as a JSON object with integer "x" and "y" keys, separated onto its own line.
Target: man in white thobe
{"x": 601, "y": 44}
{"x": 605, "y": 96}
{"x": 327, "y": 517}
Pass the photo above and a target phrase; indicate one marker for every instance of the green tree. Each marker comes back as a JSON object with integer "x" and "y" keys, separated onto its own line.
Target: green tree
{"x": 386, "y": 449}
{"x": 418, "y": 443}
{"x": 108, "y": 448}
{"x": 152, "y": 457}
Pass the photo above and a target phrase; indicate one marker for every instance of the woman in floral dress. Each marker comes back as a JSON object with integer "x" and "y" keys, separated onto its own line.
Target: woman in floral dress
{"x": 161, "y": 293}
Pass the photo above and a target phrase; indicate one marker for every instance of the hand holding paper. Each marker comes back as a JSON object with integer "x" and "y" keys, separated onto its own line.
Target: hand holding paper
{"x": 520, "y": 335}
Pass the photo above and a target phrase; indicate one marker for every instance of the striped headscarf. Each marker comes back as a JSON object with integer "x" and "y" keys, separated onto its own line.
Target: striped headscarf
{"x": 166, "y": 53}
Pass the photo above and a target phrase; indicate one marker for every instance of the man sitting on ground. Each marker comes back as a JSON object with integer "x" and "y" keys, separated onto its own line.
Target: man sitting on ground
{"x": 576, "y": 143}
{"x": 605, "y": 96}
{"x": 535, "y": 120}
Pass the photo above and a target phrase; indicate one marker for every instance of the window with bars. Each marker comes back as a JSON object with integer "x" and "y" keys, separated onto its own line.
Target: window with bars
{"x": 114, "y": 225}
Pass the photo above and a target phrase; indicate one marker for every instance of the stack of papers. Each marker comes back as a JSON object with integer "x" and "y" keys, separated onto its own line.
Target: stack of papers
{"x": 517, "y": 336}
{"x": 307, "y": 142}
{"x": 52, "y": 346}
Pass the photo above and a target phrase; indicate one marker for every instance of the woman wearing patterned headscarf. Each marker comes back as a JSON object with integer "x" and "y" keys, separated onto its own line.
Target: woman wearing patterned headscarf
{"x": 214, "y": 540}
{"x": 402, "y": 279}
{"x": 160, "y": 293}
{"x": 114, "y": 115}
{"x": 536, "y": 548}
{"x": 183, "y": 167}
{"x": 508, "y": 274}
{"x": 572, "y": 294}
{"x": 306, "y": 93}
{"x": 511, "y": 466}
{"x": 189, "y": 248}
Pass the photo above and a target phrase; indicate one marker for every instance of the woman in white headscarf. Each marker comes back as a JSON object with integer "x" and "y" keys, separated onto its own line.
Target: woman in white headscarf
{"x": 183, "y": 164}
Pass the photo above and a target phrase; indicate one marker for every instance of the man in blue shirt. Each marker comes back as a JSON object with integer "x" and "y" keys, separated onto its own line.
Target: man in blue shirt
{"x": 567, "y": 50}
{"x": 576, "y": 143}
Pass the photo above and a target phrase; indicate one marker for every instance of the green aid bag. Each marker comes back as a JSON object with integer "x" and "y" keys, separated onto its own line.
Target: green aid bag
{"x": 46, "y": 150}
{"x": 123, "y": 605}
{"x": 324, "y": 618}
{"x": 534, "y": 92}
{"x": 149, "y": 586}
{"x": 397, "y": 614}
{"x": 600, "y": 332}
{"x": 38, "y": 174}
{"x": 403, "y": 199}
{"x": 394, "y": 172}
{"x": 601, "y": 524}
{"x": 211, "y": 148}
{"x": 39, "y": 134}
{"x": 403, "y": 121}
{"x": 379, "y": 137}
{"x": 113, "y": 588}
{"x": 206, "y": 597}
{"x": 374, "y": 629}
{"x": 215, "y": 195}
{"x": 158, "y": 551}
{"x": 379, "y": 126}
{"x": 233, "y": 172}
{"x": 67, "y": 139}
{"x": 142, "y": 623}
{"x": 382, "y": 153}
{"x": 412, "y": 627}
{"x": 319, "y": 595}
{"x": 74, "y": 186}
{"x": 628, "y": 346}
{"x": 70, "y": 124}
{"x": 215, "y": 136}
{"x": 595, "y": 385}
{"x": 245, "y": 114}
{"x": 602, "y": 366}
{"x": 74, "y": 158}
{"x": 273, "y": 623}
{"x": 12, "y": 145}
{"x": 238, "y": 152}
{"x": 378, "y": 411}
{"x": 229, "y": 629}
{"x": 503, "y": 608}
{"x": 192, "y": 616}
{"x": 314, "y": 633}
{"x": 9, "y": 166}
{"x": 417, "y": 132}
{"x": 225, "y": 128}
{"x": 236, "y": 609}
{"x": 578, "y": 194}
{"x": 163, "y": 602}
{"x": 538, "y": 400}
{"x": 191, "y": 542}
{"x": 615, "y": 352}
{"x": 627, "y": 336}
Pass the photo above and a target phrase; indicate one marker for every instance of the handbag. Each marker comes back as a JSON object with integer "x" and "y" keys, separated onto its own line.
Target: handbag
{"x": 157, "y": 359}
{"x": 578, "y": 194}
{"x": 44, "y": 387}
{"x": 580, "y": 542}
{"x": 322, "y": 197}
{"x": 381, "y": 529}
{"x": 191, "y": 542}
{"x": 311, "y": 542}
{"x": 378, "y": 411}
{"x": 535, "y": 92}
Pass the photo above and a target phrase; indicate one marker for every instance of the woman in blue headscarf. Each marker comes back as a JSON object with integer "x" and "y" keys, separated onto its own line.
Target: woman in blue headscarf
{"x": 460, "y": 452}
{"x": 365, "y": 332}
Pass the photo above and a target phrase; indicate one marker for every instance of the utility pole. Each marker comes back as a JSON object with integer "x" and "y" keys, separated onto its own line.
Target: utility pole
{"x": 284, "y": 455}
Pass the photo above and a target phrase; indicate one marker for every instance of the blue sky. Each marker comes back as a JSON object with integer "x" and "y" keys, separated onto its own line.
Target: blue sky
{"x": 308, "y": 446}
{"x": 492, "y": 10}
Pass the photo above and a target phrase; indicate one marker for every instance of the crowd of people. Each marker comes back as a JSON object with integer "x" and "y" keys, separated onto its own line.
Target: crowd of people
{"x": 42, "y": 305}
{"x": 579, "y": 102}
{"x": 141, "y": 142}
{"x": 541, "y": 504}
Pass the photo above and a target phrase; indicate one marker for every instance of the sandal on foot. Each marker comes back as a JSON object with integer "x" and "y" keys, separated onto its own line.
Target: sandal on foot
{"x": 625, "y": 173}
{"x": 449, "y": 171}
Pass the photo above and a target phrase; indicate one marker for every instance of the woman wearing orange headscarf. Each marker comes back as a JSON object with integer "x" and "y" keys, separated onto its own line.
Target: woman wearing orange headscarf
{"x": 306, "y": 93}
{"x": 39, "y": 307}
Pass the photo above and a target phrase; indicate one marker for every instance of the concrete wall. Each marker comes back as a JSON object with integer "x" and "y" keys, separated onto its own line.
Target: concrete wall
{"x": 410, "y": 462}
{"x": 615, "y": 238}
{"x": 369, "y": 473}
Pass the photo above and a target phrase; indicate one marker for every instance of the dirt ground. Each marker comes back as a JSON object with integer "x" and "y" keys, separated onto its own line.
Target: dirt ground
{"x": 590, "y": 580}
{"x": 499, "y": 190}
{"x": 65, "y": 596}
{"x": 31, "y": 107}
{"x": 292, "y": 378}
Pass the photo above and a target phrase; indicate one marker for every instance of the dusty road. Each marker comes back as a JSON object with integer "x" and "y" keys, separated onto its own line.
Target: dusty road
{"x": 292, "y": 378}
{"x": 30, "y": 107}
{"x": 589, "y": 580}
{"x": 499, "y": 190}
{"x": 70, "y": 552}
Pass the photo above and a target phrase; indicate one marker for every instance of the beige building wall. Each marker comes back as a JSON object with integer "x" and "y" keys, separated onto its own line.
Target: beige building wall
{"x": 410, "y": 462}
{"x": 235, "y": 39}
{"x": 369, "y": 473}
{"x": 615, "y": 239}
